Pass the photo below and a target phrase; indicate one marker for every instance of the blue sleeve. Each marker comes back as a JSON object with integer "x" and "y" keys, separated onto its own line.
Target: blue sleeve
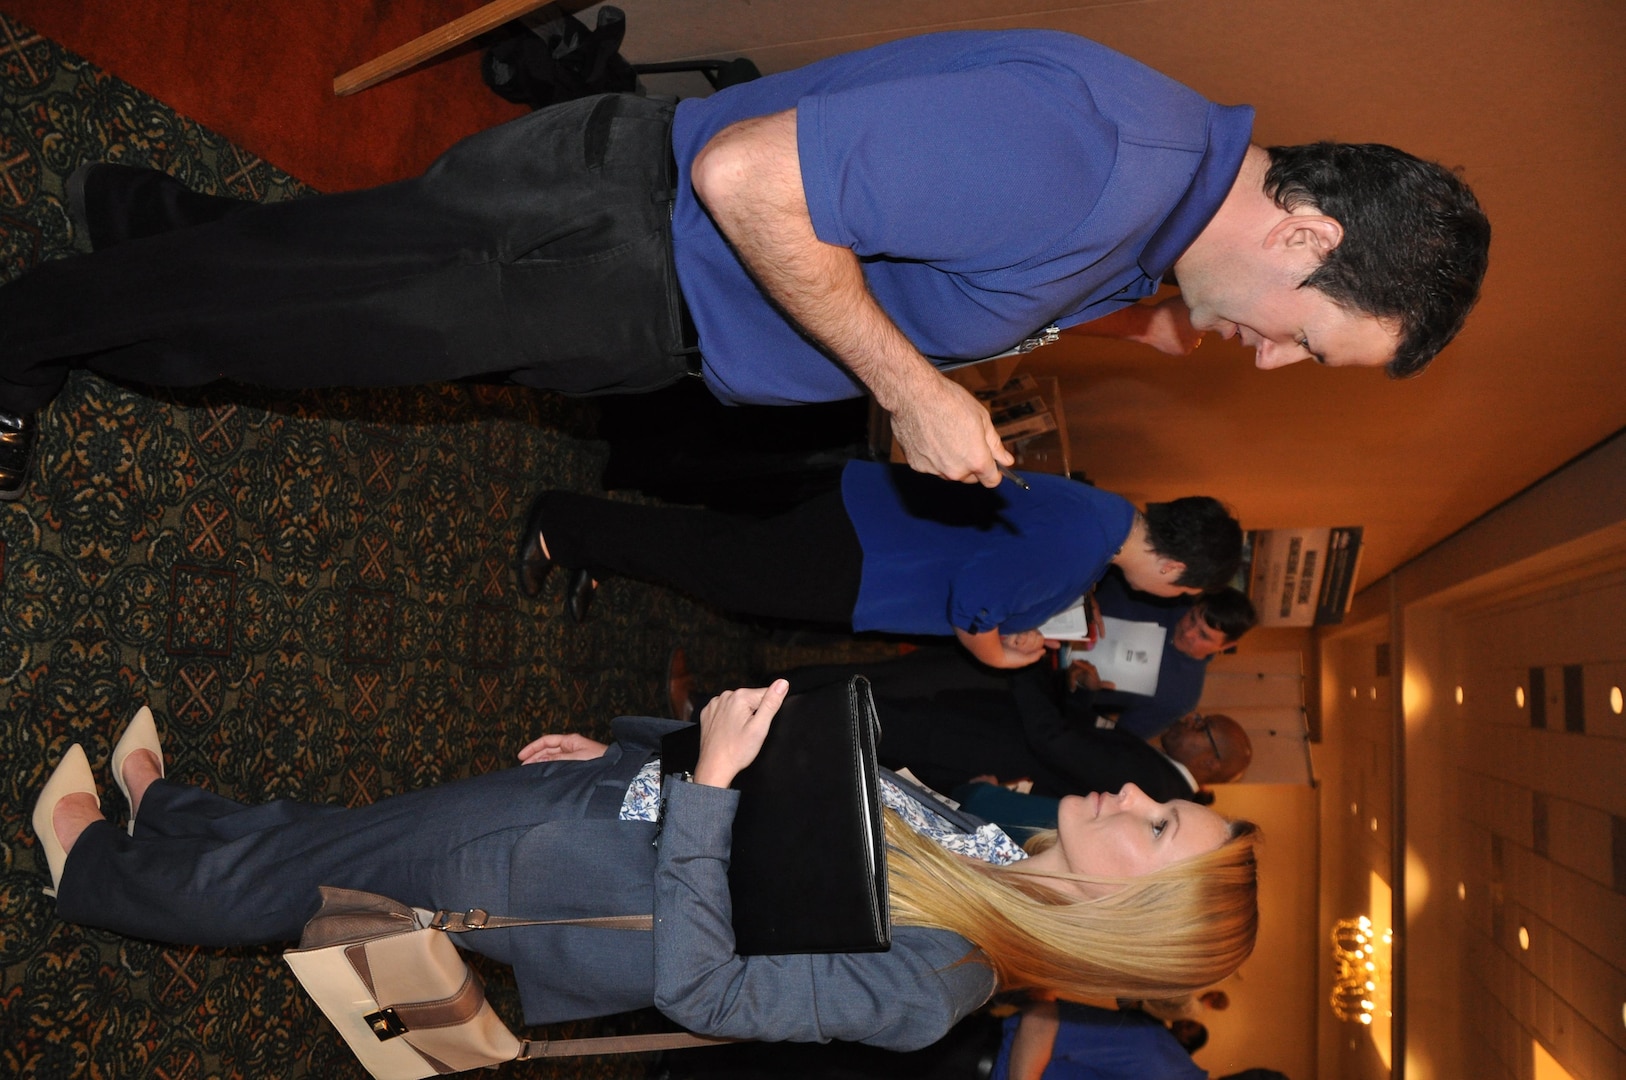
{"x": 903, "y": 999}
{"x": 889, "y": 169}
{"x": 999, "y": 579}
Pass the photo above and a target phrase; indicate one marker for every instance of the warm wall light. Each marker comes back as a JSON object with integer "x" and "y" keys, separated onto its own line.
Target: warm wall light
{"x": 1374, "y": 693}
{"x": 1545, "y": 1066}
{"x": 1354, "y": 809}
{"x": 1353, "y": 692}
{"x": 1524, "y": 938}
{"x": 1374, "y": 824}
{"x": 1462, "y": 891}
{"x": 1459, "y": 695}
{"x": 1616, "y": 701}
{"x": 1518, "y": 696}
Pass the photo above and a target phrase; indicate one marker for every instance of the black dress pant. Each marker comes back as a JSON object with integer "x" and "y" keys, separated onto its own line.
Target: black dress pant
{"x": 539, "y": 251}
{"x": 804, "y": 565}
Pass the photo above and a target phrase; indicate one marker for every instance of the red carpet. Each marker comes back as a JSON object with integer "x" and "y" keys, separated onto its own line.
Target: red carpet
{"x": 260, "y": 72}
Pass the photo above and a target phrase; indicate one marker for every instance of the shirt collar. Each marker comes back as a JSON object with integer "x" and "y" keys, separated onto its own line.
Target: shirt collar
{"x": 1185, "y": 772}
{"x": 1229, "y": 129}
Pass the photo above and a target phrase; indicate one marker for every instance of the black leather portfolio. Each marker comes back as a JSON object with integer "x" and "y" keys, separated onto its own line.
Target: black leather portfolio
{"x": 807, "y": 870}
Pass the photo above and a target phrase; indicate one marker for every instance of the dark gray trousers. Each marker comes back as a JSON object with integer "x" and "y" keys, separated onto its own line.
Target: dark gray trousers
{"x": 539, "y": 251}
{"x": 202, "y": 869}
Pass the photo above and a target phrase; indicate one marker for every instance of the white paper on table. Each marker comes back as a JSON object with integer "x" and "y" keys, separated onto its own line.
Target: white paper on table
{"x": 1129, "y": 654}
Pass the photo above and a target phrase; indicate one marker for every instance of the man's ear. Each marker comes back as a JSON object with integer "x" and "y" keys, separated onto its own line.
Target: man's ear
{"x": 1306, "y": 234}
{"x": 1171, "y": 570}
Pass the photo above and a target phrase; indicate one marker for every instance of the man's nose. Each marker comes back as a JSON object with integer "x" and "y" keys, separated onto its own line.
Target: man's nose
{"x": 1269, "y": 355}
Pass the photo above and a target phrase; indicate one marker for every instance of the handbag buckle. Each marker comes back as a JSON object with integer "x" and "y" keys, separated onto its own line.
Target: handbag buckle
{"x": 385, "y": 1024}
{"x": 475, "y": 918}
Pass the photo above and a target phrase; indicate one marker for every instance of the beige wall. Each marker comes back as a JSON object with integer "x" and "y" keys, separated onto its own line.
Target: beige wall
{"x": 1271, "y": 1022}
{"x": 1530, "y": 819}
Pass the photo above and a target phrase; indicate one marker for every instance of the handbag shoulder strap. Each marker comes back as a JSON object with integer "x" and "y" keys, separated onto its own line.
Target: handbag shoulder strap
{"x": 536, "y": 1049}
{"x": 460, "y": 922}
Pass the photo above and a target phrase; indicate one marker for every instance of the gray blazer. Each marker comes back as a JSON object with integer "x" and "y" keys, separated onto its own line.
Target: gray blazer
{"x": 538, "y": 841}
{"x": 902, "y": 999}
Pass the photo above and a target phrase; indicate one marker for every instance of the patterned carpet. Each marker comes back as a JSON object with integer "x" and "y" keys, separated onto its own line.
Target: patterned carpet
{"x": 312, "y": 592}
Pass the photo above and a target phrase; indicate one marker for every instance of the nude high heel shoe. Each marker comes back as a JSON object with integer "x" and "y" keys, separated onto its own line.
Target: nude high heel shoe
{"x": 139, "y": 734}
{"x": 72, "y": 776}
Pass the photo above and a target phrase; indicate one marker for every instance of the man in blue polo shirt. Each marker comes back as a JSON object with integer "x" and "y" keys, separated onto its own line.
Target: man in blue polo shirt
{"x": 854, "y": 224}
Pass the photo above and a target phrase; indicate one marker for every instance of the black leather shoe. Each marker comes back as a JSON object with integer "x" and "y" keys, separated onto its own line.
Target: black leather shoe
{"x": 579, "y": 595}
{"x": 530, "y": 565}
{"x": 18, "y": 434}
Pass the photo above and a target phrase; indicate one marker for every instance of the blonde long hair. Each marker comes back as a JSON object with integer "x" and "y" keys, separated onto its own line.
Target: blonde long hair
{"x": 1167, "y": 933}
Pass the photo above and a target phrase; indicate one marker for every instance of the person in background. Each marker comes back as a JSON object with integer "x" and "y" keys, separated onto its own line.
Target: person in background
{"x": 895, "y": 551}
{"x": 1196, "y": 630}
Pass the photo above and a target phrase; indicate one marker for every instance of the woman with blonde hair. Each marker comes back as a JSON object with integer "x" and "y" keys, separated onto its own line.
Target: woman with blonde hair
{"x": 1128, "y": 897}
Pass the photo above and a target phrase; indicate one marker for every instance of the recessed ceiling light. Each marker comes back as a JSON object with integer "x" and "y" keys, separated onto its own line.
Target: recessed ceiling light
{"x": 1462, "y": 891}
{"x": 1616, "y": 702}
{"x": 1524, "y": 938}
{"x": 1459, "y": 695}
{"x": 1518, "y": 696}
{"x": 1374, "y": 824}
{"x": 1353, "y": 692}
{"x": 1374, "y": 693}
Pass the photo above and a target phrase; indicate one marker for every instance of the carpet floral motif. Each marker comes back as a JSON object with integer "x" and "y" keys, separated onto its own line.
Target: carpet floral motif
{"x": 313, "y": 593}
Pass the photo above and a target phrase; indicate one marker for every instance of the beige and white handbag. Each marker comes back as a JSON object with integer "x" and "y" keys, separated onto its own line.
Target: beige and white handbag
{"x": 408, "y": 1003}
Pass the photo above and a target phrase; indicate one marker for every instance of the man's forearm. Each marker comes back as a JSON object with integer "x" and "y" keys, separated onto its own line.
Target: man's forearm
{"x": 749, "y": 177}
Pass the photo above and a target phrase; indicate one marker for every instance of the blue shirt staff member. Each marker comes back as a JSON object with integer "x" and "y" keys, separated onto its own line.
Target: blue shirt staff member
{"x": 847, "y": 226}
{"x": 898, "y": 552}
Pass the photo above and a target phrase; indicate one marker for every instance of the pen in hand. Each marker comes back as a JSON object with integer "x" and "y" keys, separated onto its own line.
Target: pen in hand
{"x": 1010, "y": 474}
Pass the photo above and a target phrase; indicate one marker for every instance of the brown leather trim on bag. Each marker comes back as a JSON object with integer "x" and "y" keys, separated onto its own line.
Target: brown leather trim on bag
{"x": 460, "y": 1008}
{"x": 357, "y": 955}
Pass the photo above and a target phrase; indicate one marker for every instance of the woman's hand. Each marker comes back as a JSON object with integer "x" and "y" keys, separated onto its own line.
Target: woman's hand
{"x": 732, "y": 727}
{"x": 567, "y": 747}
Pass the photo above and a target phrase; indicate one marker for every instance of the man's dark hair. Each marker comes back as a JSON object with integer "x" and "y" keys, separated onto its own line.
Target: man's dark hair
{"x": 1415, "y": 240}
{"x": 1192, "y": 1035}
{"x": 1229, "y": 611}
{"x": 1199, "y": 532}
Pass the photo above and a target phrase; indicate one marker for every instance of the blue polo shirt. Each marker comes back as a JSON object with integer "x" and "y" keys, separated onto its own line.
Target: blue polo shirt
{"x": 1103, "y": 1044}
{"x": 991, "y": 182}
{"x": 940, "y": 555}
